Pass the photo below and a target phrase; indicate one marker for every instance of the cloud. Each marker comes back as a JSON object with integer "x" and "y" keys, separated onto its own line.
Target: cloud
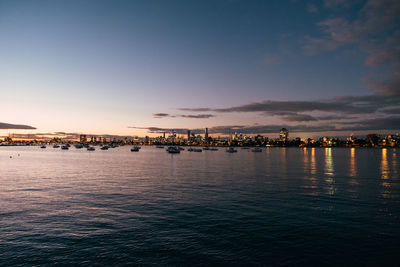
{"x": 4, "y": 126}
{"x": 189, "y": 116}
{"x": 376, "y": 124}
{"x": 375, "y": 18}
{"x": 199, "y": 116}
{"x": 343, "y": 105}
{"x": 338, "y": 3}
{"x": 311, "y": 8}
{"x": 299, "y": 117}
{"x": 161, "y": 115}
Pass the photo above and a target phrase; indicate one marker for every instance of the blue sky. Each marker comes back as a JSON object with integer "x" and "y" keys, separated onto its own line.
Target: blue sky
{"x": 101, "y": 66}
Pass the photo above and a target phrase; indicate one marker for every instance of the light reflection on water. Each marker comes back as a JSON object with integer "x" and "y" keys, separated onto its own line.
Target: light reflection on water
{"x": 284, "y": 206}
{"x": 329, "y": 171}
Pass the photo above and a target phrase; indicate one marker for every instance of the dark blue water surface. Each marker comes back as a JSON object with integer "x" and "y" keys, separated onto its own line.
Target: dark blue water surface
{"x": 283, "y": 206}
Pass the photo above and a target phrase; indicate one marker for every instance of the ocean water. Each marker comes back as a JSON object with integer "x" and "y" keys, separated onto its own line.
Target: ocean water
{"x": 283, "y": 206}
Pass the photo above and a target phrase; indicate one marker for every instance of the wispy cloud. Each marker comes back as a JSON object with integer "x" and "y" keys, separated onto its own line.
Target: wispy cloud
{"x": 311, "y": 8}
{"x": 198, "y": 116}
{"x": 189, "y": 116}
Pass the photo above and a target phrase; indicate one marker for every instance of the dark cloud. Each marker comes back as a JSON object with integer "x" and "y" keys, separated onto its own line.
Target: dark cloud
{"x": 161, "y": 115}
{"x": 5, "y": 126}
{"x": 299, "y": 117}
{"x": 391, "y": 111}
{"x": 190, "y": 116}
{"x": 346, "y": 105}
{"x": 199, "y": 116}
{"x": 377, "y": 124}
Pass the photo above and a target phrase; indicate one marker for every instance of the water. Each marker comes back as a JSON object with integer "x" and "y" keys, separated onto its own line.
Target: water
{"x": 283, "y": 206}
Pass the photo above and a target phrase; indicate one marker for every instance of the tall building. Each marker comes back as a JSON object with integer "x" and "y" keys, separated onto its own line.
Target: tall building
{"x": 188, "y": 133}
{"x": 283, "y": 134}
{"x": 206, "y": 135}
{"x": 82, "y": 138}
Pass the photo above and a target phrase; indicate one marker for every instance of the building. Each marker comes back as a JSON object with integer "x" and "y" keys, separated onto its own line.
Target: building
{"x": 82, "y": 138}
{"x": 188, "y": 135}
{"x": 206, "y": 135}
{"x": 283, "y": 134}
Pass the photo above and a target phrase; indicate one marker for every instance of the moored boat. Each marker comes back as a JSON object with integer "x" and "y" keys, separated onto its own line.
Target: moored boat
{"x": 173, "y": 150}
{"x": 231, "y": 150}
{"x": 135, "y": 149}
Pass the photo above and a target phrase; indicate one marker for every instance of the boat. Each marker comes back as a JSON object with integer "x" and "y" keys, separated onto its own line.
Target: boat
{"x": 78, "y": 146}
{"x": 214, "y": 149}
{"x": 43, "y": 146}
{"x": 231, "y": 150}
{"x": 190, "y": 149}
{"x": 256, "y": 149}
{"x": 135, "y": 149}
{"x": 90, "y": 148}
{"x": 56, "y": 146}
{"x": 181, "y": 148}
{"x": 245, "y": 147}
{"x": 104, "y": 148}
{"x": 197, "y": 150}
{"x": 64, "y": 147}
{"x": 206, "y": 148}
{"x": 159, "y": 146}
{"x": 173, "y": 150}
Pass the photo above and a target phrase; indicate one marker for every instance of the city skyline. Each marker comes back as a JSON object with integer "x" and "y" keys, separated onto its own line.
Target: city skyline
{"x": 146, "y": 67}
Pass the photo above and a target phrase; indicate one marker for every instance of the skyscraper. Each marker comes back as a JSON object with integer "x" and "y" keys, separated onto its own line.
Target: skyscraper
{"x": 188, "y": 135}
{"x": 206, "y": 135}
{"x": 283, "y": 134}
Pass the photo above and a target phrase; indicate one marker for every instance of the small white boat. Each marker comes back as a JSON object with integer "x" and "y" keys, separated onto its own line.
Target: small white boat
{"x": 64, "y": 147}
{"x": 231, "y": 150}
{"x": 90, "y": 148}
{"x": 56, "y": 146}
{"x": 173, "y": 150}
{"x": 43, "y": 146}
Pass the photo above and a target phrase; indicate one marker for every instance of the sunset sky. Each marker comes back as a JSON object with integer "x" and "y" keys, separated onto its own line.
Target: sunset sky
{"x": 143, "y": 67}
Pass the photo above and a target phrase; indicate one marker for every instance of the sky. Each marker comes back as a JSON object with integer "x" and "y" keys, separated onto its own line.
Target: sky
{"x": 145, "y": 67}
